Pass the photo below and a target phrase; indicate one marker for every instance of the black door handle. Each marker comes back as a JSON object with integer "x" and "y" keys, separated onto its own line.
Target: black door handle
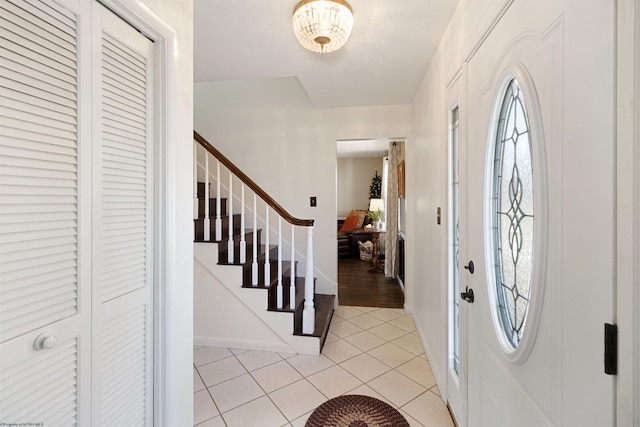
{"x": 467, "y": 295}
{"x": 470, "y": 267}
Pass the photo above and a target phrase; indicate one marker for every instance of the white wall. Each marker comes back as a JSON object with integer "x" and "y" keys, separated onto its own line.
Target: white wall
{"x": 270, "y": 129}
{"x": 426, "y": 173}
{"x": 221, "y": 319}
{"x": 354, "y": 180}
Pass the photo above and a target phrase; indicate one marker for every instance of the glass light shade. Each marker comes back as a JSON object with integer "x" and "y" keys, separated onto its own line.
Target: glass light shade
{"x": 322, "y": 25}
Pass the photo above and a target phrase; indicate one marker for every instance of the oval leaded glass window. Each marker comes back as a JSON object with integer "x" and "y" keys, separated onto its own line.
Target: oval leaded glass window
{"x": 513, "y": 220}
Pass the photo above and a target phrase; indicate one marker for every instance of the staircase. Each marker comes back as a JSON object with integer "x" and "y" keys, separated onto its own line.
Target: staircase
{"x": 239, "y": 255}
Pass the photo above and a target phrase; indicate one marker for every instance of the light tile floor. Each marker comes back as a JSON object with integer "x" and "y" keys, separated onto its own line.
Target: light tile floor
{"x": 370, "y": 351}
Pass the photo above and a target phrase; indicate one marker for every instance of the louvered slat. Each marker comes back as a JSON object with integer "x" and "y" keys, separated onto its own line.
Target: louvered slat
{"x": 21, "y": 55}
{"x": 43, "y": 208}
{"x": 124, "y": 172}
{"x": 134, "y": 61}
{"x": 37, "y": 289}
{"x": 38, "y": 44}
{"x": 22, "y": 101}
{"x": 114, "y": 68}
{"x": 114, "y": 103}
{"x": 65, "y": 31}
{"x": 47, "y": 145}
{"x": 124, "y": 368}
{"x": 60, "y": 18}
{"x": 114, "y": 91}
{"x": 60, "y": 84}
{"x": 40, "y": 304}
{"x": 29, "y": 117}
{"x": 17, "y": 123}
{"x": 49, "y": 378}
{"x": 136, "y": 121}
{"x": 38, "y": 31}
{"x": 16, "y": 247}
{"x": 38, "y": 167}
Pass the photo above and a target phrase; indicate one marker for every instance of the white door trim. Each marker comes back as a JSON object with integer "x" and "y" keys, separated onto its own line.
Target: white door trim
{"x": 628, "y": 213}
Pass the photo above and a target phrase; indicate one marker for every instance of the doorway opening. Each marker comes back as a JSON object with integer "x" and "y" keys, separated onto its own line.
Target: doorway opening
{"x": 370, "y": 219}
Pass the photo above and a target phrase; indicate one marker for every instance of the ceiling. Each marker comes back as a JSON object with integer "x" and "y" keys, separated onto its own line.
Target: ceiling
{"x": 382, "y": 63}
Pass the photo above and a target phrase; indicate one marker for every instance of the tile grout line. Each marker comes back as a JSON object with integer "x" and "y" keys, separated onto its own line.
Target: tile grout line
{"x": 391, "y": 368}
{"x": 247, "y": 371}
{"x": 212, "y": 399}
{"x": 333, "y": 363}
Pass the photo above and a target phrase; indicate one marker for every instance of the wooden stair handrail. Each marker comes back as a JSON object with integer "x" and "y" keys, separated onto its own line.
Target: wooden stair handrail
{"x": 252, "y": 185}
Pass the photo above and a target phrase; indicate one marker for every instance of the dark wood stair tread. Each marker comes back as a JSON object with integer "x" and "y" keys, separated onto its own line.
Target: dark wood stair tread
{"x": 324, "y": 312}
{"x": 286, "y": 285}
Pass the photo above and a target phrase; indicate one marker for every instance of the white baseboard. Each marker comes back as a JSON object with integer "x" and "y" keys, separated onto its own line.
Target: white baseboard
{"x": 242, "y": 344}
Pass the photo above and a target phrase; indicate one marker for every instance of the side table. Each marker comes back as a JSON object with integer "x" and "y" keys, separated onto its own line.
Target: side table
{"x": 375, "y": 260}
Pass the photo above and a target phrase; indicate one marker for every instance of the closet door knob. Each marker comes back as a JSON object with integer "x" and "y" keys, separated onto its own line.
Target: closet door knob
{"x": 45, "y": 341}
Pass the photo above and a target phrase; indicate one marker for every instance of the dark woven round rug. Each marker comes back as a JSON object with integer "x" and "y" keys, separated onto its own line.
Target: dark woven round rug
{"x": 353, "y": 410}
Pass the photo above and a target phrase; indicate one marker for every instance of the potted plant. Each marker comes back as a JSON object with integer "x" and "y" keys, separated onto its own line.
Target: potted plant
{"x": 375, "y": 216}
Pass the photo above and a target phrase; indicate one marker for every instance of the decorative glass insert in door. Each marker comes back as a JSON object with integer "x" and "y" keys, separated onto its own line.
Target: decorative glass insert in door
{"x": 513, "y": 221}
{"x": 454, "y": 238}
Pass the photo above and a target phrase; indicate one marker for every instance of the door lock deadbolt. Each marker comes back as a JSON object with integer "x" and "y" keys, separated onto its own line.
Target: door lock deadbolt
{"x": 467, "y": 295}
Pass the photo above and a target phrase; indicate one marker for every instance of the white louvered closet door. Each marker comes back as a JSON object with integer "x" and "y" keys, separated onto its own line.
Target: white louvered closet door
{"x": 41, "y": 249}
{"x": 122, "y": 229}
{"x": 75, "y": 217}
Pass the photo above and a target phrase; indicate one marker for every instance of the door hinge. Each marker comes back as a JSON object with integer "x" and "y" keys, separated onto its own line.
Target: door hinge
{"x": 610, "y": 349}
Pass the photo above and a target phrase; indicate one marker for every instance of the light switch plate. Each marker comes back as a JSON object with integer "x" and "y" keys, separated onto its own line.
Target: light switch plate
{"x": 313, "y": 201}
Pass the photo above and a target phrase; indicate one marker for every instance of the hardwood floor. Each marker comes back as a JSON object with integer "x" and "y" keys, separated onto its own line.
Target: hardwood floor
{"x": 357, "y": 286}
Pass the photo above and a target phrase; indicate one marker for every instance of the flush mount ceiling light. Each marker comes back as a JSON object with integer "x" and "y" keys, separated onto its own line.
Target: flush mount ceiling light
{"x": 322, "y": 25}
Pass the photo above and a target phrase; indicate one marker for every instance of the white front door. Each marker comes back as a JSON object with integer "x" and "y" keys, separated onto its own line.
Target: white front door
{"x": 76, "y": 216}
{"x": 540, "y": 218}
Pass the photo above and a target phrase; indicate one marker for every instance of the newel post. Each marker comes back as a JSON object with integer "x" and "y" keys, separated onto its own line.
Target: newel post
{"x": 309, "y": 312}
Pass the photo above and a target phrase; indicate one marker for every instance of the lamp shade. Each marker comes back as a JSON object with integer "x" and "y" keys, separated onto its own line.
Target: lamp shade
{"x": 322, "y": 25}
{"x": 376, "y": 205}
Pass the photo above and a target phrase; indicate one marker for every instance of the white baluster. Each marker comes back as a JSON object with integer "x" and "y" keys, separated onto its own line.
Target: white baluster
{"x": 267, "y": 266}
{"x": 243, "y": 243}
{"x": 230, "y": 203}
{"x": 254, "y": 266}
{"x": 279, "y": 293}
{"x": 195, "y": 181}
{"x": 292, "y": 284}
{"x": 309, "y": 312}
{"x": 218, "y": 209}
{"x": 207, "y": 216}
